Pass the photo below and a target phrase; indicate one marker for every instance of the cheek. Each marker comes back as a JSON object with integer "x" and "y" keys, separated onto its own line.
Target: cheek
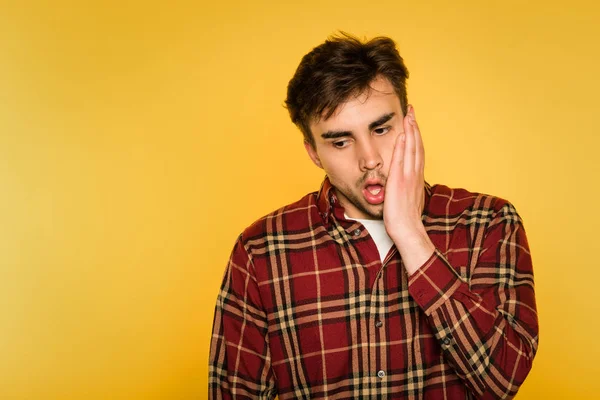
{"x": 341, "y": 173}
{"x": 338, "y": 174}
{"x": 338, "y": 163}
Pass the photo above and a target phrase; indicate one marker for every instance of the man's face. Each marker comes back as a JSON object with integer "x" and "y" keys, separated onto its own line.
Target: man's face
{"x": 355, "y": 145}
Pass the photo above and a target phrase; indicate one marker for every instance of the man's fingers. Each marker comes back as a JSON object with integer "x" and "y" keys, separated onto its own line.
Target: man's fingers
{"x": 419, "y": 148}
{"x": 397, "y": 163}
{"x": 410, "y": 147}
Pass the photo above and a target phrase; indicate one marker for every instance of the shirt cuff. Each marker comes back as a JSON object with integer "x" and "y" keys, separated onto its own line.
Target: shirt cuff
{"x": 434, "y": 283}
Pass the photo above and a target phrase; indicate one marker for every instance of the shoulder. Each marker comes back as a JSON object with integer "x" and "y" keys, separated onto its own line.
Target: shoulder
{"x": 293, "y": 217}
{"x": 449, "y": 201}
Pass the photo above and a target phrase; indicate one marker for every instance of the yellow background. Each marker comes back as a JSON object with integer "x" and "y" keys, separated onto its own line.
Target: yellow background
{"x": 137, "y": 140}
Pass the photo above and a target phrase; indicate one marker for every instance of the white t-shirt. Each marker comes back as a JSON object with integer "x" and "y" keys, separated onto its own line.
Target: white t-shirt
{"x": 376, "y": 229}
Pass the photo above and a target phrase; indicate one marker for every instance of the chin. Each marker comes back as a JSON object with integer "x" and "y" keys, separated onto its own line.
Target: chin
{"x": 378, "y": 215}
{"x": 374, "y": 212}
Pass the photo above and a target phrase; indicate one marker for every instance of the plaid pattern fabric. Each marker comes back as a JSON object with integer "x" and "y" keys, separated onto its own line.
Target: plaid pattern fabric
{"x": 308, "y": 310}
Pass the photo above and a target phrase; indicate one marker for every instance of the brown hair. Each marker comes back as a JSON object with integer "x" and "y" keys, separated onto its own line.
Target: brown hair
{"x": 341, "y": 67}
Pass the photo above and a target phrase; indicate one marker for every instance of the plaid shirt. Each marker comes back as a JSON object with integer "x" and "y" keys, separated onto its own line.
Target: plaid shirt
{"x": 308, "y": 310}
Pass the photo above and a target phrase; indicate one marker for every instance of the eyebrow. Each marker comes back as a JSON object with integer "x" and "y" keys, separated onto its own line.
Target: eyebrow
{"x": 338, "y": 134}
{"x": 381, "y": 120}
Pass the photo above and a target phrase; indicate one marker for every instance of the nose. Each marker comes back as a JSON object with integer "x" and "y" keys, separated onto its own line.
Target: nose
{"x": 369, "y": 157}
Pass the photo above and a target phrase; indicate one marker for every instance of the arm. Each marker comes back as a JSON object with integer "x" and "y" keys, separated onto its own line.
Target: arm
{"x": 240, "y": 360}
{"x": 487, "y": 329}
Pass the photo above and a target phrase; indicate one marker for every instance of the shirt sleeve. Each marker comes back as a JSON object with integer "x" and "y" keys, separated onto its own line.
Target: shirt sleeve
{"x": 486, "y": 322}
{"x": 240, "y": 360}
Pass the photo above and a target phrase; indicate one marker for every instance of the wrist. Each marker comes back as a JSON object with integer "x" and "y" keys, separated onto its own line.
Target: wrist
{"x": 415, "y": 249}
{"x": 409, "y": 234}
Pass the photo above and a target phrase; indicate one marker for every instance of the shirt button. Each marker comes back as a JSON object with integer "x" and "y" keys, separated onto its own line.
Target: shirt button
{"x": 357, "y": 232}
{"x": 446, "y": 341}
{"x": 381, "y": 374}
{"x": 378, "y": 324}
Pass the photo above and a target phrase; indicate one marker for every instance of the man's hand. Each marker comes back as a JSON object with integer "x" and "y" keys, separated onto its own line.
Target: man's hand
{"x": 405, "y": 196}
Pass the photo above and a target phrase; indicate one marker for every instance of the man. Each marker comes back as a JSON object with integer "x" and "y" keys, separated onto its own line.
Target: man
{"x": 379, "y": 285}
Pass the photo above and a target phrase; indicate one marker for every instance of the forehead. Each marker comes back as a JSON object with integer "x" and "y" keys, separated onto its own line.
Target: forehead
{"x": 359, "y": 111}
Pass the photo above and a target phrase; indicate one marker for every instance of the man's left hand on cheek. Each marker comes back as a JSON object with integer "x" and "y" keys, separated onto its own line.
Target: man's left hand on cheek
{"x": 405, "y": 197}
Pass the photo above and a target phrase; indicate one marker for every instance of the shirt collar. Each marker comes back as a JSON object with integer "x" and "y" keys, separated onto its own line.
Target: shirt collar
{"x": 325, "y": 200}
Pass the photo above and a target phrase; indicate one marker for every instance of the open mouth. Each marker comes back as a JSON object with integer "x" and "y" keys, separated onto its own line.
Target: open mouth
{"x": 374, "y": 193}
{"x": 374, "y": 189}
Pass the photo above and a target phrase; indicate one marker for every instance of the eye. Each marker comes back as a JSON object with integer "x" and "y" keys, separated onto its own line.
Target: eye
{"x": 382, "y": 131}
{"x": 340, "y": 144}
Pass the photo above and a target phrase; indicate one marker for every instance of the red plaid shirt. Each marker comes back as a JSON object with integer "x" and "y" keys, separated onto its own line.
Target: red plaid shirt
{"x": 308, "y": 310}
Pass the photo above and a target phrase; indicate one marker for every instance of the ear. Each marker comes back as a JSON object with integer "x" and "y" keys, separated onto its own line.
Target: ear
{"x": 312, "y": 153}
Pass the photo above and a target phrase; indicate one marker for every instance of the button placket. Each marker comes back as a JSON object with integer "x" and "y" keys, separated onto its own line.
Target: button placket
{"x": 378, "y": 290}
{"x": 447, "y": 341}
